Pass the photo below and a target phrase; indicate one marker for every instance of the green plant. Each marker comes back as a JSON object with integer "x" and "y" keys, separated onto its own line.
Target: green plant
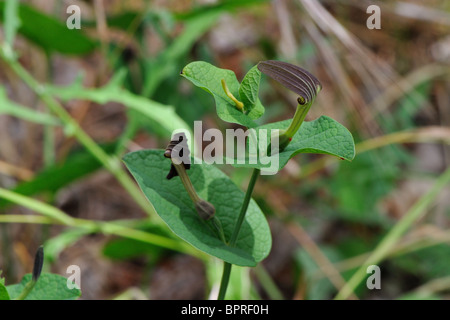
{"x": 207, "y": 209}
{"x": 39, "y": 286}
{"x": 391, "y": 106}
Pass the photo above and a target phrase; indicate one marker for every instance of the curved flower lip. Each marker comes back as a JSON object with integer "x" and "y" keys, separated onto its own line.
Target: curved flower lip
{"x": 292, "y": 77}
{"x": 38, "y": 263}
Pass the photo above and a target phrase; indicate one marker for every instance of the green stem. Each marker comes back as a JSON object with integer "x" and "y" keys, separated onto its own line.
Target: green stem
{"x": 286, "y": 135}
{"x": 235, "y": 234}
{"x": 386, "y": 245}
{"x": 225, "y": 279}
{"x": 247, "y": 198}
{"x": 299, "y": 117}
{"x": 38, "y": 206}
{"x": 112, "y": 164}
{"x": 49, "y": 134}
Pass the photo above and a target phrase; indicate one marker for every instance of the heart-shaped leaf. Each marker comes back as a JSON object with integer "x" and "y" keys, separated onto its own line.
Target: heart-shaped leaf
{"x": 323, "y": 135}
{"x": 209, "y": 77}
{"x": 3, "y": 292}
{"x": 172, "y": 203}
{"x": 49, "y": 287}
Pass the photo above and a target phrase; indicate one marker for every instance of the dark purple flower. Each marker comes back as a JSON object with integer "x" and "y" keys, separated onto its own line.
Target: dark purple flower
{"x": 292, "y": 77}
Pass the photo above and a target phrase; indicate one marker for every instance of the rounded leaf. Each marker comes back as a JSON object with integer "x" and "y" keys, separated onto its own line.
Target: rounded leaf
{"x": 173, "y": 205}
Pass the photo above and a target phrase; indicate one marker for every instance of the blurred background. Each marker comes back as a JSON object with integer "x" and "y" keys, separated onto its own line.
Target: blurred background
{"x": 76, "y": 100}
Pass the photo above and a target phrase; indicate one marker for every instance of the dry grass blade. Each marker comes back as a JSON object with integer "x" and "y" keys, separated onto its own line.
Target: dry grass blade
{"x": 407, "y": 84}
{"x": 316, "y": 254}
{"x": 420, "y": 12}
{"x": 288, "y": 44}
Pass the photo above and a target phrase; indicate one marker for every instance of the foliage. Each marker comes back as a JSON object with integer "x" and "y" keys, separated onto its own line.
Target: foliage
{"x": 60, "y": 137}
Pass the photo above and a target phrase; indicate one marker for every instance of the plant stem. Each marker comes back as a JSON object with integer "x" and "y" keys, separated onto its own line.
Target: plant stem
{"x": 38, "y": 206}
{"x": 49, "y": 145}
{"x": 225, "y": 279}
{"x": 287, "y": 135}
{"x": 112, "y": 164}
{"x": 186, "y": 182}
{"x": 247, "y": 198}
{"x": 235, "y": 234}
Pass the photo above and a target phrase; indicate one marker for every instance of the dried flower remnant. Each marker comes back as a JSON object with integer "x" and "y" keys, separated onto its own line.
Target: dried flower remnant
{"x": 178, "y": 152}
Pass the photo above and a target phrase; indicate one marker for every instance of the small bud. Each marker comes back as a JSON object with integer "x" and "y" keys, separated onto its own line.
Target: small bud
{"x": 205, "y": 209}
{"x": 38, "y": 263}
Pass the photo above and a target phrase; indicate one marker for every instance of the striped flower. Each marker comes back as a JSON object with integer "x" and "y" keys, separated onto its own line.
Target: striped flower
{"x": 294, "y": 78}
